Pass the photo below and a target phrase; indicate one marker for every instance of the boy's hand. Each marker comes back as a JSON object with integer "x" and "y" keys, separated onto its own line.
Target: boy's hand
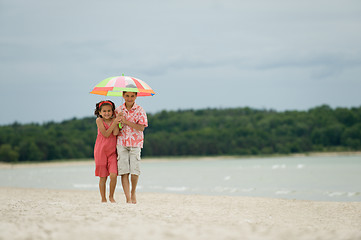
{"x": 118, "y": 118}
{"x": 123, "y": 120}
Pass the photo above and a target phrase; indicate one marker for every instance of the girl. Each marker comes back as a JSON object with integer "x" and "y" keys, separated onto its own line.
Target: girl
{"x": 105, "y": 147}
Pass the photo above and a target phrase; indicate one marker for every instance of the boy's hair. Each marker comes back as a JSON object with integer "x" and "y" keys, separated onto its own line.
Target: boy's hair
{"x": 99, "y": 105}
{"x": 136, "y": 93}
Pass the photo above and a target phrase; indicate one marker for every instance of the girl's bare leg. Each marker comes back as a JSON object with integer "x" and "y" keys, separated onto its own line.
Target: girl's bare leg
{"x": 126, "y": 188}
{"x": 112, "y": 185}
{"x": 134, "y": 180}
{"x": 102, "y": 188}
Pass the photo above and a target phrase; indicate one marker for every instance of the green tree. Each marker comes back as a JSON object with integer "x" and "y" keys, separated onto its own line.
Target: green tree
{"x": 8, "y": 154}
{"x": 209, "y": 131}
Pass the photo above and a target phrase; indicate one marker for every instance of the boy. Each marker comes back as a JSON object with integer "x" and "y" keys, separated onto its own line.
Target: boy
{"x": 129, "y": 143}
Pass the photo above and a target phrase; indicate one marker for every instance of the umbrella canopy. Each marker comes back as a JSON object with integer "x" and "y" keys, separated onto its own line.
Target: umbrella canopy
{"x": 115, "y": 86}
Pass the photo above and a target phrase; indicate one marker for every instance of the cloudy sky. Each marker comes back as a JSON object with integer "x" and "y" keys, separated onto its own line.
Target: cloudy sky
{"x": 265, "y": 54}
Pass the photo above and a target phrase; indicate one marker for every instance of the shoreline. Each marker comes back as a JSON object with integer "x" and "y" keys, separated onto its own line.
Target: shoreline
{"x": 74, "y": 214}
{"x": 5, "y": 165}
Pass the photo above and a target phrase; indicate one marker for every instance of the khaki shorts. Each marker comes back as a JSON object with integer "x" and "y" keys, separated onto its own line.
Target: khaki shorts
{"x": 128, "y": 160}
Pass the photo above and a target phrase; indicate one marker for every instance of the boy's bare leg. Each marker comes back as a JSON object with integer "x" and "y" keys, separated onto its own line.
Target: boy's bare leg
{"x": 112, "y": 185}
{"x": 126, "y": 188}
{"x": 134, "y": 180}
{"x": 102, "y": 188}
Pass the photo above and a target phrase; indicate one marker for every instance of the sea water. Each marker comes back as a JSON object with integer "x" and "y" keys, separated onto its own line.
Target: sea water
{"x": 321, "y": 178}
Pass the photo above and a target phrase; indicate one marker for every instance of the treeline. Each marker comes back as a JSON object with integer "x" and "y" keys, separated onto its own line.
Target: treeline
{"x": 69, "y": 139}
{"x": 235, "y": 131}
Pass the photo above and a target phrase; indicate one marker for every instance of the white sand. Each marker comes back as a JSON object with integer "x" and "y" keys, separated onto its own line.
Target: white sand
{"x": 57, "y": 214}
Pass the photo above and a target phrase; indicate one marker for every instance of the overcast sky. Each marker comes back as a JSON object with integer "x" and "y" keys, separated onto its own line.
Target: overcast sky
{"x": 264, "y": 54}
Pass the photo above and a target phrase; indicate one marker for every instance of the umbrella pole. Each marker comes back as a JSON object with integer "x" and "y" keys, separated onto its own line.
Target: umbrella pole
{"x": 120, "y": 125}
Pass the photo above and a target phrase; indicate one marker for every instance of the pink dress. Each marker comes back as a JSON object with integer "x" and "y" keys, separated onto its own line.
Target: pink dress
{"x": 105, "y": 155}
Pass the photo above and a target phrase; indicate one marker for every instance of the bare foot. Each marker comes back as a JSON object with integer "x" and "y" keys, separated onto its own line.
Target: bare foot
{"x": 134, "y": 198}
{"x": 112, "y": 200}
{"x": 104, "y": 200}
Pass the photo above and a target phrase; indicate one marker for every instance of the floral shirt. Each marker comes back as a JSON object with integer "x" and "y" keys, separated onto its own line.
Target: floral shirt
{"x": 128, "y": 136}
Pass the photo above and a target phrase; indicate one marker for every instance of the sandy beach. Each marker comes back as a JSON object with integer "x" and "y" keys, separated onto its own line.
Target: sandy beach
{"x": 65, "y": 214}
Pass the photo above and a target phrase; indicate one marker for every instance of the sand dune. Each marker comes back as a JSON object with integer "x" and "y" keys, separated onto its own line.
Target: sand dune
{"x": 64, "y": 214}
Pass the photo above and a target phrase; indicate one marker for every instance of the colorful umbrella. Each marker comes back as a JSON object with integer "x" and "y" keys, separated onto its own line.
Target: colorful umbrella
{"x": 115, "y": 86}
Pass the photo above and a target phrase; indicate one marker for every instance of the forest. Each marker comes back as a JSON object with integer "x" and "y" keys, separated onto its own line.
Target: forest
{"x": 204, "y": 132}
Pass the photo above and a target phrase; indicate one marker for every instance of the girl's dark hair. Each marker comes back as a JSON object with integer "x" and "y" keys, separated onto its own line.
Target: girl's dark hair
{"x": 100, "y": 104}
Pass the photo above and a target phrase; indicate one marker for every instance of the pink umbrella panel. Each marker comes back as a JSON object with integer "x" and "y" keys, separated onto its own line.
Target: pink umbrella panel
{"x": 115, "y": 86}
